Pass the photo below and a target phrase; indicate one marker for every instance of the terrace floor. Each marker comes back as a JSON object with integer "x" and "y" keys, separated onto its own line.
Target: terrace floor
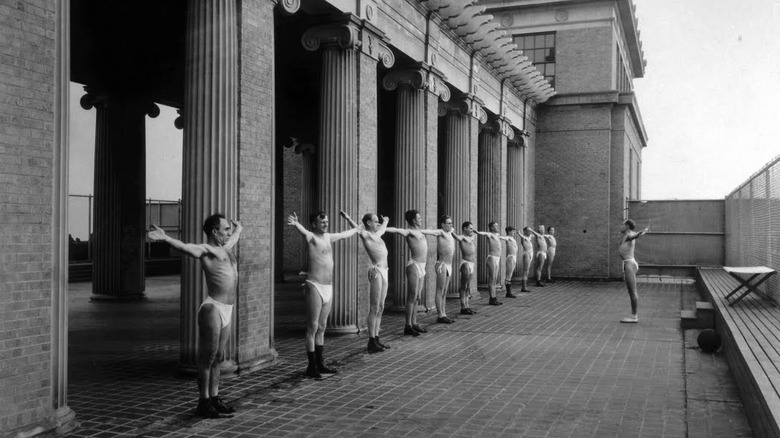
{"x": 552, "y": 363}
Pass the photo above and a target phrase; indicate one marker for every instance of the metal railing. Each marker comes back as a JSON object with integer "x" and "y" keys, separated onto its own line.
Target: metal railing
{"x": 753, "y": 223}
{"x": 164, "y": 213}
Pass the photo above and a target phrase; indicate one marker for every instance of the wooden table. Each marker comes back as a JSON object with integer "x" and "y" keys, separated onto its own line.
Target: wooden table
{"x": 756, "y": 276}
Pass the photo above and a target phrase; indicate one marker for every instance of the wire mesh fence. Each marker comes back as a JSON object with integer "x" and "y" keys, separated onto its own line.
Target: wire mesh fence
{"x": 753, "y": 223}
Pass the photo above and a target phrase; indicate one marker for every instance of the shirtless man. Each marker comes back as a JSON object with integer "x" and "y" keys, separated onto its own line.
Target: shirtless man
{"x": 216, "y": 311}
{"x": 528, "y": 254}
{"x": 445, "y": 249}
{"x": 468, "y": 251}
{"x": 511, "y": 260}
{"x": 415, "y": 268}
{"x": 493, "y": 259}
{"x": 541, "y": 253}
{"x": 371, "y": 235}
{"x": 630, "y": 266}
{"x": 551, "y": 245}
{"x": 319, "y": 286}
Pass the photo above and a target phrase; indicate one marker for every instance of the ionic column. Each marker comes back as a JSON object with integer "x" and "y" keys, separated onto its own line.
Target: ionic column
{"x": 459, "y": 175}
{"x": 120, "y": 188}
{"x": 210, "y": 165}
{"x": 337, "y": 155}
{"x": 491, "y": 187}
{"x": 515, "y": 186}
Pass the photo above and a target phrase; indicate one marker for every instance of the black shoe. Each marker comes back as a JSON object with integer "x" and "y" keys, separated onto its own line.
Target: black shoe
{"x": 467, "y": 311}
{"x": 373, "y": 347}
{"x": 444, "y": 320}
{"x": 510, "y": 295}
{"x": 311, "y": 370}
{"x": 419, "y": 329}
{"x": 220, "y": 406}
{"x": 494, "y": 302}
{"x": 206, "y": 409}
{"x": 318, "y": 349}
{"x": 540, "y": 284}
{"x": 409, "y": 330}
{"x": 525, "y": 290}
{"x": 378, "y": 342}
{"x": 550, "y": 280}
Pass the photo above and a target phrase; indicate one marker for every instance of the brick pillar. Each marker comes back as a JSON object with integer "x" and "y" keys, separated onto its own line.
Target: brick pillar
{"x": 459, "y": 172}
{"x": 492, "y": 190}
{"x": 210, "y": 165}
{"x": 120, "y": 189}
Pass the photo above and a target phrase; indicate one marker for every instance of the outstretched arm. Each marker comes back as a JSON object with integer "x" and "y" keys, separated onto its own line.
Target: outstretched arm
{"x": 634, "y": 236}
{"x": 293, "y": 220}
{"x": 193, "y": 250}
{"x": 402, "y": 231}
{"x": 233, "y": 240}
{"x": 383, "y": 226}
{"x": 431, "y": 232}
{"x": 344, "y": 234}
{"x": 458, "y": 237}
{"x": 532, "y": 230}
{"x": 351, "y": 222}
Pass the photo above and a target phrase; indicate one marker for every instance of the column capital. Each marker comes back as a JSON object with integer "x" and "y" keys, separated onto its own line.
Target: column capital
{"x": 372, "y": 44}
{"x": 343, "y": 34}
{"x": 299, "y": 147}
{"x": 518, "y": 137}
{"x": 467, "y": 105}
{"x": 103, "y": 100}
{"x": 419, "y": 77}
{"x": 287, "y": 7}
{"x": 499, "y": 125}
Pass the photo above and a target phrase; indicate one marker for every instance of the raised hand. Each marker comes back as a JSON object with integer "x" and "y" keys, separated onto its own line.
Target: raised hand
{"x": 156, "y": 234}
{"x": 292, "y": 219}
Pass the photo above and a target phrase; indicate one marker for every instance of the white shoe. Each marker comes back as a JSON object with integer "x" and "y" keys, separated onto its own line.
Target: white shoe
{"x": 630, "y": 319}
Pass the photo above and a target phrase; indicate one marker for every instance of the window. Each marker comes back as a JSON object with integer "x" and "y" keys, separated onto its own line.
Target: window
{"x": 540, "y": 50}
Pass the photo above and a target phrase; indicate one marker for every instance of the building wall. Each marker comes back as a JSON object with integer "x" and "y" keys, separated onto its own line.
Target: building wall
{"x": 573, "y": 185}
{"x": 27, "y": 66}
{"x": 584, "y": 60}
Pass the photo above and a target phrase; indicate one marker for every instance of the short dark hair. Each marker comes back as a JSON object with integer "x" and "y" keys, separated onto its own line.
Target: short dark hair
{"x": 509, "y": 229}
{"x": 318, "y": 214}
{"x": 525, "y": 228}
{"x": 465, "y": 225}
{"x": 490, "y": 225}
{"x": 443, "y": 218}
{"x": 630, "y": 223}
{"x": 212, "y": 223}
{"x": 367, "y": 217}
{"x": 551, "y": 227}
{"x": 410, "y": 215}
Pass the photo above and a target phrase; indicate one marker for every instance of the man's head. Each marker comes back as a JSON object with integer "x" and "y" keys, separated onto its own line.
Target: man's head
{"x": 628, "y": 225}
{"x": 468, "y": 228}
{"x": 319, "y": 221}
{"x": 493, "y": 227}
{"x": 445, "y": 222}
{"x": 526, "y": 231}
{"x": 540, "y": 229}
{"x": 509, "y": 230}
{"x": 413, "y": 217}
{"x": 217, "y": 228}
{"x": 551, "y": 230}
{"x": 371, "y": 221}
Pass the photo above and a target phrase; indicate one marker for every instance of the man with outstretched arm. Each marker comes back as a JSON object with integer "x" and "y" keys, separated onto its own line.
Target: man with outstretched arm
{"x": 511, "y": 260}
{"x": 527, "y": 256}
{"x": 445, "y": 249}
{"x": 319, "y": 286}
{"x": 371, "y": 234}
{"x": 630, "y": 266}
{"x": 541, "y": 253}
{"x": 552, "y": 244}
{"x": 415, "y": 267}
{"x": 468, "y": 251}
{"x": 493, "y": 260}
{"x": 215, "y": 313}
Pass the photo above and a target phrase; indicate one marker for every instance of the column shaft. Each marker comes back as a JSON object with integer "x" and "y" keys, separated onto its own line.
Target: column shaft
{"x": 409, "y": 181}
{"x": 338, "y": 175}
{"x": 514, "y": 193}
{"x": 491, "y": 194}
{"x": 120, "y": 188}
{"x": 209, "y": 174}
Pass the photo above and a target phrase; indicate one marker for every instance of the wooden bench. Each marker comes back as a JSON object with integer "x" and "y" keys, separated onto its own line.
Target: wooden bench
{"x": 751, "y": 345}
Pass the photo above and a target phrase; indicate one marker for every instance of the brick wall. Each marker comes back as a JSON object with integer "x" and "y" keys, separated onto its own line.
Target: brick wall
{"x": 293, "y": 250}
{"x": 27, "y": 65}
{"x": 584, "y": 60}
{"x": 256, "y": 182}
{"x": 573, "y": 185}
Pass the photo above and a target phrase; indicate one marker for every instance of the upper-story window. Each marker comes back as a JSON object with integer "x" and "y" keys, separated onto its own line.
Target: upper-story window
{"x": 540, "y": 50}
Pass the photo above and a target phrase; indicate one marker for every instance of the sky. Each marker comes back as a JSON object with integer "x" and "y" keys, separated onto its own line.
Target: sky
{"x": 709, "y": 98}
{"x": 708, "y": 101}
